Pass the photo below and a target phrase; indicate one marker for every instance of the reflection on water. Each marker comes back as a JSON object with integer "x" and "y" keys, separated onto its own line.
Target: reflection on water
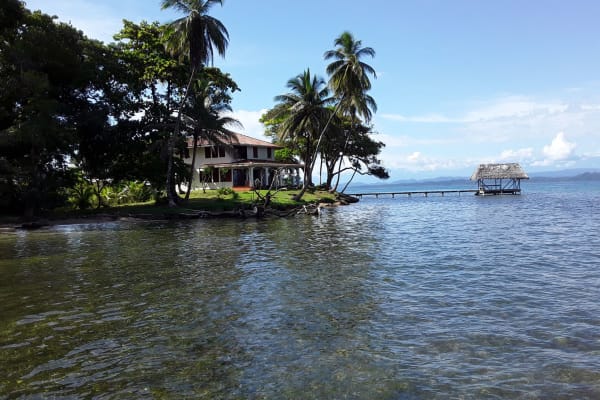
{"x": 406, "y": 298}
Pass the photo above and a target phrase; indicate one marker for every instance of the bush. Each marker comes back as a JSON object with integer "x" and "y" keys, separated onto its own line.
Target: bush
{"x": 226, "y": 191}
{"x": 81, "y": 195}
{"x": 129, "y": 192}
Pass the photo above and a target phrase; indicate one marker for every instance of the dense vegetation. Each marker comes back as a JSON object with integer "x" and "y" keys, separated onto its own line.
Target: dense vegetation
{"x": 85, "y": 124}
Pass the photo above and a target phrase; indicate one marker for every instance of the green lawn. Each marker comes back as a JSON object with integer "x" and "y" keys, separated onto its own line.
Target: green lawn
{"x": 210, "y": 200}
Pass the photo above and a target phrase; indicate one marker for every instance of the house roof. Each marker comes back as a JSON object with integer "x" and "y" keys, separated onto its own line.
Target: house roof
{"x": 237, "y": 139}
{"x": 499, "y": 171}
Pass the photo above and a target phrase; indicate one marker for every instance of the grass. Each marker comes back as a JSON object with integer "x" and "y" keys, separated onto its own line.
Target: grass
{"x": 210, "y": 201}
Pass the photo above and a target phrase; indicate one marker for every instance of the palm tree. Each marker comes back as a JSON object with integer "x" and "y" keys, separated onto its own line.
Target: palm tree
{"x": 195, "y": 36}
{"x": 349, "y": 76}
{"x": 206, "y": 120}
{"x": 307, "y": 112}
{"x": 349, "y": 80}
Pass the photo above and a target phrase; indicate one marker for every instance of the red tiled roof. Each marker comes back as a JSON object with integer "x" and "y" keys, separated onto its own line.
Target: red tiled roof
{"x": 236, "y": 140}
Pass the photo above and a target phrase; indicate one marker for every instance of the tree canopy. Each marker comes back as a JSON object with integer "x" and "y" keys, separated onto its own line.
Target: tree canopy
{"x": 330, "y": 122}
{"x": 75, "y": 111}
{"x": 77, "y": 114}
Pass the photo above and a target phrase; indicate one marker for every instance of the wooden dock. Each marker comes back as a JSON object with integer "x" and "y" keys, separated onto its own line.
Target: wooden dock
{"x": 425, "y": 193}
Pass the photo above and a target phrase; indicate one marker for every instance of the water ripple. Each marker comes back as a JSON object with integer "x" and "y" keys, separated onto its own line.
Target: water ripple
{"x": 405, "y": 298}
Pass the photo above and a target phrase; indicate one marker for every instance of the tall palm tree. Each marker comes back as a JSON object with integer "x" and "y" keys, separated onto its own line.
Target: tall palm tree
{"x": 349, "y": 76}
{"x": 307, "y": 112}
{"x": 195, "y": 36}
{"x": 206, "y": 120}
{"x": 349, "y": 80}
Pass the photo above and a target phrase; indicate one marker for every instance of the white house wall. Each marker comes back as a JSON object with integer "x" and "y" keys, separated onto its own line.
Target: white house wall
{"x": 201, "y": 161}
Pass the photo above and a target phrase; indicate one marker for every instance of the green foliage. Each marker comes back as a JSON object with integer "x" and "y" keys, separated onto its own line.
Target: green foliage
{"x": 226, "y": 191}
{"x": 349, "y": 76}
{"x": 127, "y": 193}
{"x": 285, "y": 155}
{"x": 306, "y": 112}
{"x": 81, "y": 195}
{"x": 41, "y": 89}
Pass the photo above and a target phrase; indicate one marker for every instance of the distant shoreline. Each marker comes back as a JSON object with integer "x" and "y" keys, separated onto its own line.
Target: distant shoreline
{"x": 533, "y": 177}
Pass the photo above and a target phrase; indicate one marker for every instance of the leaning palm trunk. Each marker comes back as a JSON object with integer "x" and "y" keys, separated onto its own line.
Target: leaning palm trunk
{"x": 339, "y": 173}
{"x": 307, "y": 174}
{"x": 171, "y": 195}
{"x": 348, "y": 183}
{"x": 314, "y": 158}
{"x": 337, "y": 178}
{"x": 191, "y": 179}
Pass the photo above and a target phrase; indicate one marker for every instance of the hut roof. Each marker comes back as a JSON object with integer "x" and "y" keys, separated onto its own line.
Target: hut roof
{"x": 499, "y": 171}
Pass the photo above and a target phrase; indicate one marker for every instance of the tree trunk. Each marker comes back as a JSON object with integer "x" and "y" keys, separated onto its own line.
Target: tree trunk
{"x": 191, "y": 180}
{"x": 330, "y": 174}
{"x": 347, "y": 183}
{"x": 98, "y": 192}
{"x": 172, "y": 196}
{"x": 31, "y": 195}
{"x": 307, "y": 173}
{"x": 339, "y": 173}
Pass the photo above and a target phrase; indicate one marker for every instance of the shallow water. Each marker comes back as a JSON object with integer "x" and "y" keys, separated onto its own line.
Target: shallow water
{"x": 404, "y": 298}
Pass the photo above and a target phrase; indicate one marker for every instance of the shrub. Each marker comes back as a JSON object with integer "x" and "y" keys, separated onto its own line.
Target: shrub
{"x": 226, "y": 191}
{"x": 81, "y": 195}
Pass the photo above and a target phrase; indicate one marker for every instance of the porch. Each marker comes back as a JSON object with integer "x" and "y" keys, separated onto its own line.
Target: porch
{"x": 248, "y": 176}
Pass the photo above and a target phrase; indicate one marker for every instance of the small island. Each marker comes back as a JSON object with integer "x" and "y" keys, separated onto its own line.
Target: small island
{"x": 94, "y": 126}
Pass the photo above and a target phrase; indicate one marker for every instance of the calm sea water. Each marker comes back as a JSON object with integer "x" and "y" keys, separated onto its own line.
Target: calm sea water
{"x": 455, "y": 297}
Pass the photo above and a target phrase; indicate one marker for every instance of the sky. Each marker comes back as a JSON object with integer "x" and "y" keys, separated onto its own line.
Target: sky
{"x": 459, "y": 82}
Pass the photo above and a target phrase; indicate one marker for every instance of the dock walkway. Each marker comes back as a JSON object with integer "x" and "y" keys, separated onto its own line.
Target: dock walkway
{"x": 425, "y": 193}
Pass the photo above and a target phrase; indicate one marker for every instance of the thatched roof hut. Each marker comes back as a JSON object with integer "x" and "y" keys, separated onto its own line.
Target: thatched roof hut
{"x": 499, "y": 178}
{"x": 499, "y": 171}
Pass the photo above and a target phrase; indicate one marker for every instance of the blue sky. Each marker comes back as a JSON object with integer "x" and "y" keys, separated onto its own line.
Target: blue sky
{"x": 459, "y": 82}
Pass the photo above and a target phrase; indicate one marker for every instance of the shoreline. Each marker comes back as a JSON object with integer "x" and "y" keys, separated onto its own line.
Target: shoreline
{"x": 12, "y": 224}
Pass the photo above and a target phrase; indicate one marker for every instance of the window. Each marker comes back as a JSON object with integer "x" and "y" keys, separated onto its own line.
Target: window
{"x": 214, "y": 152}
{"x": 241, "y": 152}
{"x": 255, "y": 152}
{"x": 269, "y": 153}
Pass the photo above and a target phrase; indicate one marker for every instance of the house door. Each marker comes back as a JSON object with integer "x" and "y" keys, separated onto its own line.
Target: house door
{"x": 259, "y": 178}
{"x": 240, "y": 177}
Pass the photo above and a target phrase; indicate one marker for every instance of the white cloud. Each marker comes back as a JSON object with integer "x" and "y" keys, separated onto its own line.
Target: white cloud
{"x": 590, "y": 107}
{"x": 99, "y": 19}
{"x": 559, "y": 149}
{"x": 250, "y": 121}
{"x": 419, "y": 162}
{"x": 509, "y": 107}
{"x": 96, "y": 20}
{"x": 514, "y": 107}
{"x": 504, "y": 129}
{"x": 392, "y": 140}
{"x": 559, "y": 153}
{"x": 519, "y": 155}
{"x": 427, "y": 119}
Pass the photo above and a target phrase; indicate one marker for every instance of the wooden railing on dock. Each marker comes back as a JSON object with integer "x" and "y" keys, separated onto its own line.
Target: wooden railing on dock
{"x": 410, "y": 193}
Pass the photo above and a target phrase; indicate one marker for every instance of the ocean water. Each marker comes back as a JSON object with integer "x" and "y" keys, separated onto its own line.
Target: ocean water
{"x": 454, "y": 297}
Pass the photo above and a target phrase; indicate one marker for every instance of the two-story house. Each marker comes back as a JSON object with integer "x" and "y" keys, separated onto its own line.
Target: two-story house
{"x": 240, "y": 162}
